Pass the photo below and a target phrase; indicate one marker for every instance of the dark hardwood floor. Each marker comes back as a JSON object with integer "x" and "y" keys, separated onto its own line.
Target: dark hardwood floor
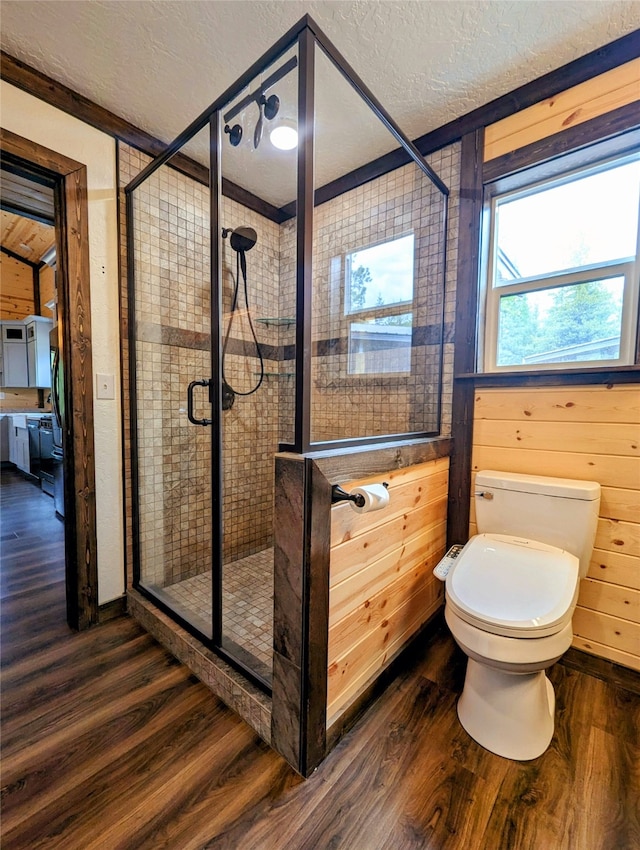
{"x": 109, "y": 743}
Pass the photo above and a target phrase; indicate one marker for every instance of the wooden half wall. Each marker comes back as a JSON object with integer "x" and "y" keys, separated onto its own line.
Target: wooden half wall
{"x": 586, "y": 433}
{"x": 381, "y": 587}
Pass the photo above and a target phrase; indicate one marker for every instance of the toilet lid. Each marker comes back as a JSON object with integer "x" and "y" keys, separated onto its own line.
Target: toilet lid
{"x": 512, "y": 583}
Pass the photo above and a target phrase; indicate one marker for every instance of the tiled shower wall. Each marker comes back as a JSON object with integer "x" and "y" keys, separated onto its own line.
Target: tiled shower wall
{"x": 251, "y": 428}
{"x": 401, "y": 202}
{"x": 173, "y": 349}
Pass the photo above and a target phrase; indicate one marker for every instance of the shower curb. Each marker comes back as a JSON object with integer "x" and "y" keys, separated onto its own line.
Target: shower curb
{"x": 247, "y": 701}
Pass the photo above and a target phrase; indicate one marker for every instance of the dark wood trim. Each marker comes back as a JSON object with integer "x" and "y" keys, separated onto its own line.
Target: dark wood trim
{"x": 289, "y": 558}
{"x": 597, "y": 62}
{"x": 601, "y": 668}
{"x": 72, "y": 243}
{"x": 72, "y": 236}
{"x": 27, "y": 78}
{"x": 24, "y": 77}
{"x": 613, "y": 123}
{"x": 593, "y": 64}
{"x": 374, "y": 104}
{"x": 253, "y": 202}
{"x": 14, "y": 256}
{"x": 349, "y": 465}
{"x": 110, "y": 610}
{"x": 315, "y": 625}
{"x": 553, "y": 378}
{"x": 465, "y": 336}
{"x": 302, "y": 546}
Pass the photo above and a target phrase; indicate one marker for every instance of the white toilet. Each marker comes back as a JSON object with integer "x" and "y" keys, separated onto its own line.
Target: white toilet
{"x": 510, "y": 596}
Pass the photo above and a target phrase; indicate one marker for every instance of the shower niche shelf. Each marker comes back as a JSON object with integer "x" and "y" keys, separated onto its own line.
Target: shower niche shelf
{"x": 277, "y": 321}
{"x": 277, "y": 374}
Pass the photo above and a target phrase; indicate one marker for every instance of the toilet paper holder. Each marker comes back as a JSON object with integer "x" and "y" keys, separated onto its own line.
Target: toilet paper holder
{"x": 340, "y": 495}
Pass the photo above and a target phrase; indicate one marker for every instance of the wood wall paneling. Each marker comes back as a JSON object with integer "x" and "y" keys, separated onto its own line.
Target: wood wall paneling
{"x": 588, "y": 404}
{"x": 381, "y": 586}
{"x": 16, "y": 288}
{"x": 602, "y": 94}
{"x": 17, "y": 399}
{"x": 26, "y": 237}
{"x": 615, "y": 568}
{"x": 588, "y": 433}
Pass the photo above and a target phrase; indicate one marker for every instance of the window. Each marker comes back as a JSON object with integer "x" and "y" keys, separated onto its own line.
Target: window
{"x": 562, "y": 270}
{"x": 378, "y": 291}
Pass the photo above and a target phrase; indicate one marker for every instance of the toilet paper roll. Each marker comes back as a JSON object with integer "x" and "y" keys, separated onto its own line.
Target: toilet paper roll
{"x": 376, "y": 497}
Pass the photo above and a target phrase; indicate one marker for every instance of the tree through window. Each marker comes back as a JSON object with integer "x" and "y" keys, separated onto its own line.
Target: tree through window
{"x": 562, "y": 273}
{"x": 379, "y": 301}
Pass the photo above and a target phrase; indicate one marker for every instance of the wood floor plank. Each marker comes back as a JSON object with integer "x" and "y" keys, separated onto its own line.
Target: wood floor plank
{"x": 110, "y": 744}
{"x": 27, "y": 786}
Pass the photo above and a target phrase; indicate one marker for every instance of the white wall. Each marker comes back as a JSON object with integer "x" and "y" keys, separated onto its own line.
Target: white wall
{"x": 32, "y": 119}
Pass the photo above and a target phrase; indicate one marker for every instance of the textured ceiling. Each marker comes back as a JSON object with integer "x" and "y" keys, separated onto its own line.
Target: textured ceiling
{"x": 159, "y": 63}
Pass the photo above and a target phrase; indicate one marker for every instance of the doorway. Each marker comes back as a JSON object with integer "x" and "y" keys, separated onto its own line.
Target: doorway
{"x": 67, "y": 181}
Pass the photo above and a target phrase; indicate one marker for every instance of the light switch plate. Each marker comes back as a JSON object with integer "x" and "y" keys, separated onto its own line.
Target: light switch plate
{"x": 105, "y": 386}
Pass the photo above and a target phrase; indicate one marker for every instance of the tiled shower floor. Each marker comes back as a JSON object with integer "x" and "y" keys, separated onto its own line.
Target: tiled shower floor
{"x": 247, "y": 604}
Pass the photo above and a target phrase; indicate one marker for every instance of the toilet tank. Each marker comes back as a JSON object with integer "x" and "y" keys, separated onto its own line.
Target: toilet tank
{"x": 558, "y": 511}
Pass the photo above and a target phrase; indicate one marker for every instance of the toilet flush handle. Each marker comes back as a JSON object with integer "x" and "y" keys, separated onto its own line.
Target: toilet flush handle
{"x": 486, "y": 495}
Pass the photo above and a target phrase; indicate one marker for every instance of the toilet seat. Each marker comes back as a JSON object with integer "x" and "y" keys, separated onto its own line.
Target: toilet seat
{"x": 513, "y": 586}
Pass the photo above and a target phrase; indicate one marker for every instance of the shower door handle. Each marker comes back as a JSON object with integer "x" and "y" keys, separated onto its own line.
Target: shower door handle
{"x": 190, "y": 415}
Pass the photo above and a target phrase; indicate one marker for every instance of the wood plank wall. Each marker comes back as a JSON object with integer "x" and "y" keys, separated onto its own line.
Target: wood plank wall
{"x": 618, "y": 87}
{"x": 587, "y": 433}
{"x": 16, "y": 289}
{"x": 382, "y": 589}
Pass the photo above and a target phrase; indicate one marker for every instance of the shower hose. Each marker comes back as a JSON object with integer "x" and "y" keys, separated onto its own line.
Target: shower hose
{"x": 241, "y": 268}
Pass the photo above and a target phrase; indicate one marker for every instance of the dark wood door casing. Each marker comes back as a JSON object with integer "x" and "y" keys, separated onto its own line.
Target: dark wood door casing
{"x": 74, "y": 309}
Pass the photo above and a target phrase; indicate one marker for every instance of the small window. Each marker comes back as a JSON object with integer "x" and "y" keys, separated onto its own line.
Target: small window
{"x": 562, "y": 271}
{"x": 378, "y": 290}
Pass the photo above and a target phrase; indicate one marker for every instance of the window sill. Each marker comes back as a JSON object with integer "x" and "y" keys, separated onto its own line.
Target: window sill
{"x": 555, "y": 377}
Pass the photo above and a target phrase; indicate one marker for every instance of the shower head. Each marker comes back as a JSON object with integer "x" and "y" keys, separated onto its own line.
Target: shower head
{"x": 243, "y": 239}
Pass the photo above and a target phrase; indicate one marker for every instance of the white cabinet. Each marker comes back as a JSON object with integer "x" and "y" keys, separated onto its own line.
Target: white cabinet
{"x": 25, "y": 353}
{"x": 23, "y": 460}
{"x": 38, "y": 348}
{"x": 14, "y": 355}
{"x": 19, "y": 442}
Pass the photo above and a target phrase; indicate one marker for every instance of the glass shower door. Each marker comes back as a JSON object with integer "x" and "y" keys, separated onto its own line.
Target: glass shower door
{"x": 171, "y": 300}
{"x": 257, "y": 348}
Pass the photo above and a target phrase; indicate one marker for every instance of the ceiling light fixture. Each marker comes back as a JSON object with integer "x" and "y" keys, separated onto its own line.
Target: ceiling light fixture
{"x": 284, "y": 136}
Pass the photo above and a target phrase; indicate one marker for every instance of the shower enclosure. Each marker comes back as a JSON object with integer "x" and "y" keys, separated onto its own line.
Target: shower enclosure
{"x": 286, "y": 283}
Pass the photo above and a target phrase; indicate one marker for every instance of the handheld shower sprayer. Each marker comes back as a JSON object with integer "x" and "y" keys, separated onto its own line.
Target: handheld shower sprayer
{"x": 242, "y": 239}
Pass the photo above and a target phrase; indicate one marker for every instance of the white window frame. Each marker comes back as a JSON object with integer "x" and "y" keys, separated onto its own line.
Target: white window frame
{"x": 489, "y": 316}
